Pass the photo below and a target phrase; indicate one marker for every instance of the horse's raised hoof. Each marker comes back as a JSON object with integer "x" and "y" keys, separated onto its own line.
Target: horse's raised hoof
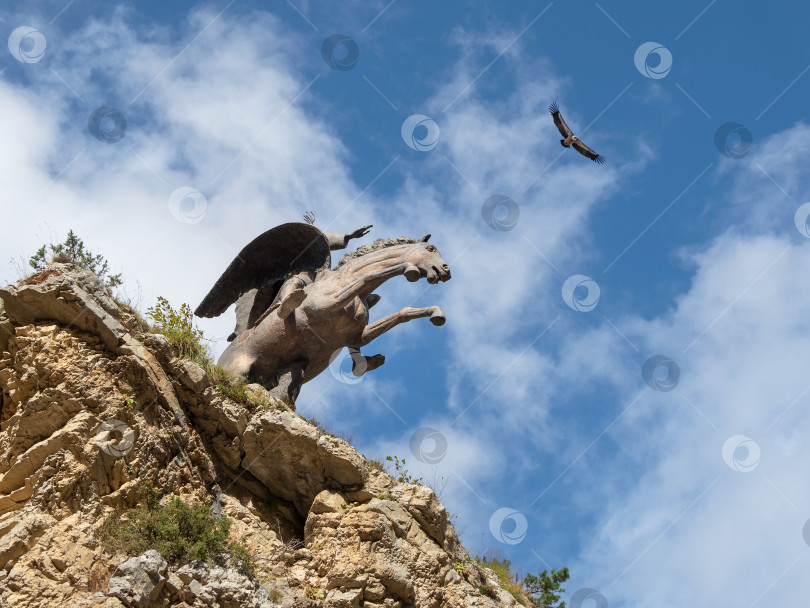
{"x": 438, "y": 318}
{"x": 291, "y": 302}
{"x": 412, "y": 273}
{"x": 374, "y": 362}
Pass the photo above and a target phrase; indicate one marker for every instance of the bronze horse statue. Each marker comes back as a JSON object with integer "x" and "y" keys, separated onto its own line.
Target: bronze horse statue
{"x": 295, "y": 313}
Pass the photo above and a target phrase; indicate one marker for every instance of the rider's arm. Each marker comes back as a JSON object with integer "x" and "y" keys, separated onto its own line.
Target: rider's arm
{"x": 339, "y": 241}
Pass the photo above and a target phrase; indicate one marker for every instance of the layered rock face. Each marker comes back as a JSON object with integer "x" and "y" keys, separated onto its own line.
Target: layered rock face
{"x": 89, "y": 412}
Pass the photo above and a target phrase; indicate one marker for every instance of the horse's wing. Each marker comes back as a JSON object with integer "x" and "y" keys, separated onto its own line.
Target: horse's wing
{"x": 272, "y": 256}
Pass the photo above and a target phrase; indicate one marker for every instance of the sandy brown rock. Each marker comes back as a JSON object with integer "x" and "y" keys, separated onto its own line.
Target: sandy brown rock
{"x": 296, "y": 460}
{"x": 89, "y": 410}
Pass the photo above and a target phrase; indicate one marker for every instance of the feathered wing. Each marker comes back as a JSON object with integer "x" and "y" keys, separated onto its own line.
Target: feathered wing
{"x": 586, "y": 151}
{"x": 269, "y": 258}
{"x": 558, "y": 120}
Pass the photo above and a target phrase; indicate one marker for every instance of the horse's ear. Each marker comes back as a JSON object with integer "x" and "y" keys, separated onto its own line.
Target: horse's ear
{"x": 424, "y": 239}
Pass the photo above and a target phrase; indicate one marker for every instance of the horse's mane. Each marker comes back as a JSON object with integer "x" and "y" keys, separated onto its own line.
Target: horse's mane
{"x": 375, "y": 246}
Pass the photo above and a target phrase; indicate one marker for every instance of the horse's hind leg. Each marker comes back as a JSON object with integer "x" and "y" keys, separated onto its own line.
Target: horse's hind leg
{"x": 378, "y": 328}
{"x": 290, "y": 379}
{"x": 236, "y": 361}
{"x": 362, "y": 364}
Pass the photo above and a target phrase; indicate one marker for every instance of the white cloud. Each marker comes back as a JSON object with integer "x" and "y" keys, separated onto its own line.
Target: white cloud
{"x": 691, "y": 530}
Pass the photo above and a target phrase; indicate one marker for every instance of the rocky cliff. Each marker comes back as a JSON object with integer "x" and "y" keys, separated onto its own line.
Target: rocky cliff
{"x": 91, "y": 410}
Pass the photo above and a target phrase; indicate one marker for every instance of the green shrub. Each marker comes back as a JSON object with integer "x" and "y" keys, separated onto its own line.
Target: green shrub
{"x": 178, "y": 327}
{"x": 179, "y": 532}
{"x": 241, "y": 557}
{"x": 72, "y": 251}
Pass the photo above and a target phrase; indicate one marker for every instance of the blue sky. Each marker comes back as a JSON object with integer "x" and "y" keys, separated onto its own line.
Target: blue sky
{"x": 542, "y": 408}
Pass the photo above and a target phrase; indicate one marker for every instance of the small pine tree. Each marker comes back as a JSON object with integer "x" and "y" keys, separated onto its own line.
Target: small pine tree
{"x": 543, "y": 588}
{"x": 73, "y": 251}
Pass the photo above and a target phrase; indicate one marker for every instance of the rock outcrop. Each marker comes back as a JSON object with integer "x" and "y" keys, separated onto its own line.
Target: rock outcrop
{"x": 90, "y": 409}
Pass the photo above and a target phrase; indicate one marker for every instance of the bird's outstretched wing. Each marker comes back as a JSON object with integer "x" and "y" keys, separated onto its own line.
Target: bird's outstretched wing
{"x": 270, "y": 257}
{"x": 586, "y": 151}
{"x": 558, "y": 120}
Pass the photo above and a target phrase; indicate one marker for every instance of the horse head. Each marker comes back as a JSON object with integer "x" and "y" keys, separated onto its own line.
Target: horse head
{"x": 424, "y": 260}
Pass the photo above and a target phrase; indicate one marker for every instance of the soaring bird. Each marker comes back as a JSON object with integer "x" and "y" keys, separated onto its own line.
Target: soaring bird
{"x": 570, "y": 138}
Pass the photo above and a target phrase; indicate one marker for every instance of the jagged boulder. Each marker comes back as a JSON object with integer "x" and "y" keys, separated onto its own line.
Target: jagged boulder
{"x": 139, "y": 580}
{"x": 296, "y": 460}
{"x": 216, "y": 586}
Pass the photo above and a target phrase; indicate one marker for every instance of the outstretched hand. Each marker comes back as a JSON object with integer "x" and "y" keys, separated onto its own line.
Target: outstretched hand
{"x": 360, "y": 232}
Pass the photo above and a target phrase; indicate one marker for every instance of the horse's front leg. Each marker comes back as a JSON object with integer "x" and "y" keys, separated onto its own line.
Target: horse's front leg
{"x": 378, "y": 328}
